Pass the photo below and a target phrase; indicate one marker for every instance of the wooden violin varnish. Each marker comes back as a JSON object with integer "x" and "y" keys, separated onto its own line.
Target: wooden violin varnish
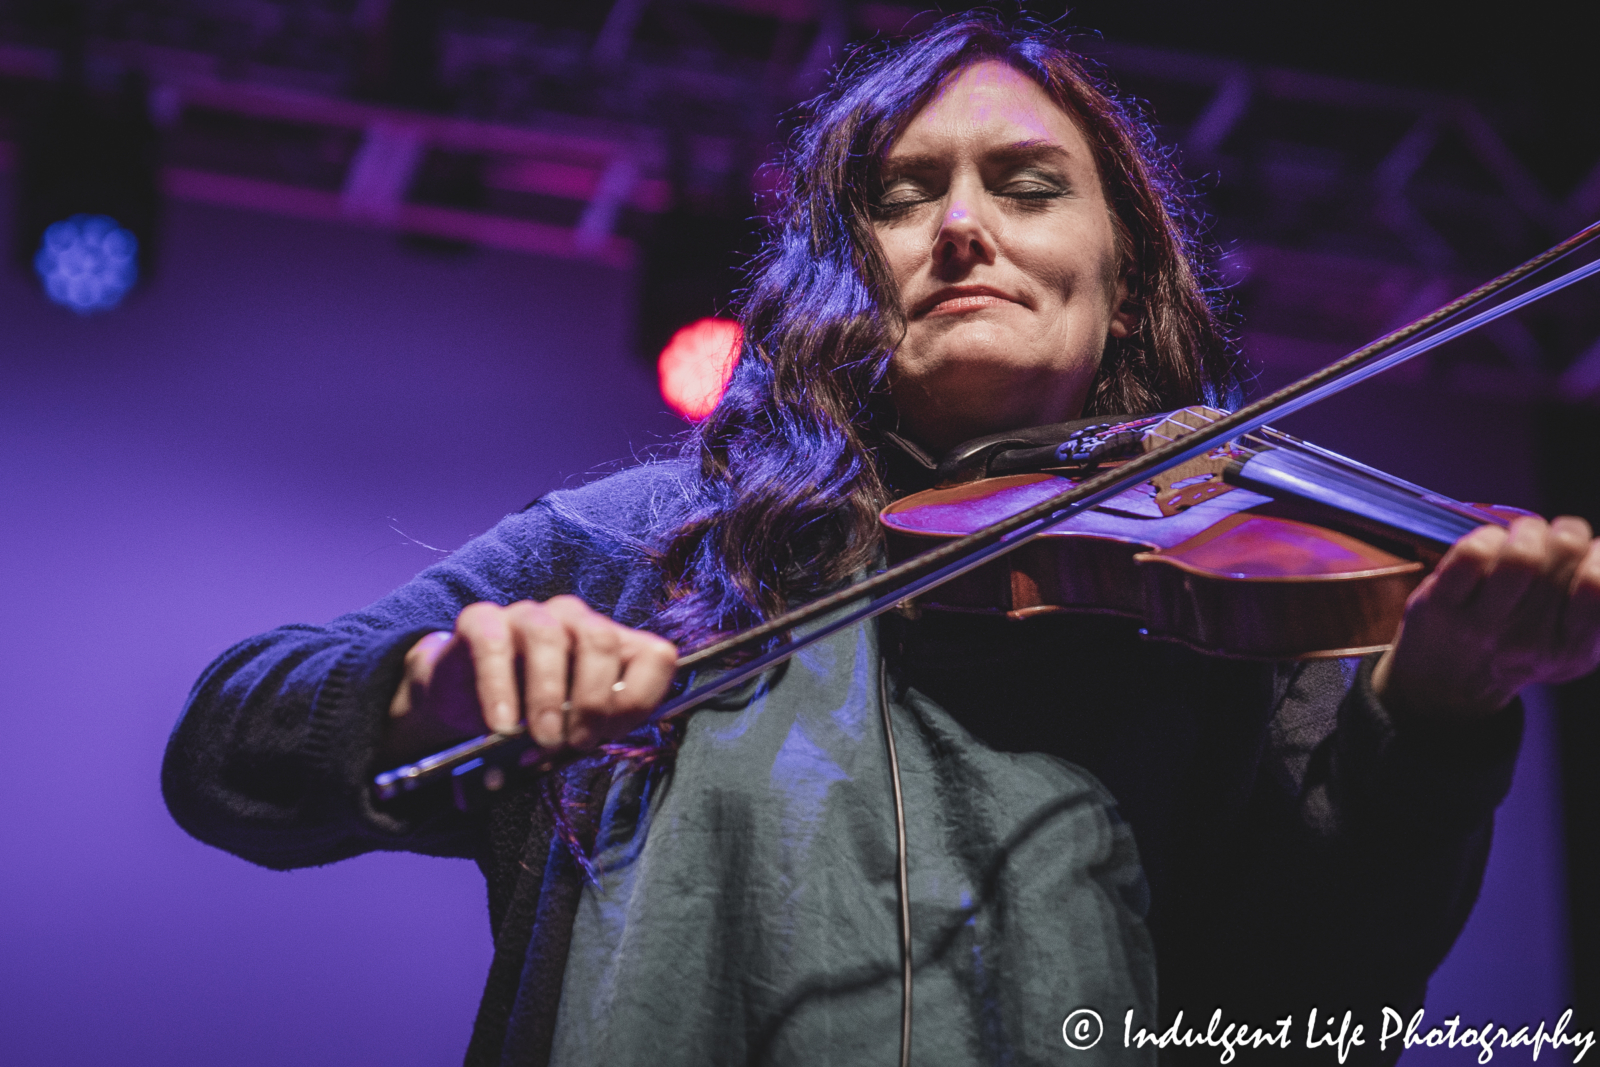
{"x": 1308, "y": 572}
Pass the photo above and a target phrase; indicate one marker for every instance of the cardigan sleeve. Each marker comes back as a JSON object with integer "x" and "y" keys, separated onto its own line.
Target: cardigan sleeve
{"x": 1362, "y": 850}
{"x": 1408, "y": 805}
{"x": 272, "y": 756}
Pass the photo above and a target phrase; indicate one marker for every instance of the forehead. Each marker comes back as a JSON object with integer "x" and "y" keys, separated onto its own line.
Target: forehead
{"x": 989, "y": 102}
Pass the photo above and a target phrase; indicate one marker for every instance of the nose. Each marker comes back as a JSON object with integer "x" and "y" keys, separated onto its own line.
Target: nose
{"x": 964, "y": 239}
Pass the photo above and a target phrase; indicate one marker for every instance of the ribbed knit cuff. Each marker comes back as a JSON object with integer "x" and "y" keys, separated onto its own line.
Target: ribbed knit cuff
{"x": 347, "y": 719}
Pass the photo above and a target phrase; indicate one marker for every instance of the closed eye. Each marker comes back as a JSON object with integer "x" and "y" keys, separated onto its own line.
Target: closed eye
{"x": 1033, "y": 191}
{"x": 1034, "y": 183}
{"x": 899, "y": 195}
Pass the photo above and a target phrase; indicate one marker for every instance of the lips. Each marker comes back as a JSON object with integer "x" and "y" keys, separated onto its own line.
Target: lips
{"x": 960, "y": 299}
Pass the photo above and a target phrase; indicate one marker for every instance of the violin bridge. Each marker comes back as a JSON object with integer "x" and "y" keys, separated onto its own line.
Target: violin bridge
{"x": 1181, "y": 497}
{"x": 1192, "y": 481}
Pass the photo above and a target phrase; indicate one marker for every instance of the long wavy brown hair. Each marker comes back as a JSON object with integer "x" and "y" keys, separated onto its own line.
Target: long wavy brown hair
{"x": 790, "y": 476}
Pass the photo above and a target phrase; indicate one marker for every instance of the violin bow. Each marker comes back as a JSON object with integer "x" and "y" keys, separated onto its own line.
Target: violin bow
{"x": 491, "y": 754}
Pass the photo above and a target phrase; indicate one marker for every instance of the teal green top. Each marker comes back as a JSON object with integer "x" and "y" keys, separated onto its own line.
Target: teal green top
{"x": 746, "y": 911}
{"x": 1303, "y": 845}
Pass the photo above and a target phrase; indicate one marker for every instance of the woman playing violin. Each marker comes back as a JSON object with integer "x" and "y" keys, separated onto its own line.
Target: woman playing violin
{"x": 977, "y": 237}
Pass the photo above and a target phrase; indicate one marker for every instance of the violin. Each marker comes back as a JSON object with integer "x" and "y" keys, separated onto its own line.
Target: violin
{"x": 1265, "y": 547}
{"x": 1184, "y": 597}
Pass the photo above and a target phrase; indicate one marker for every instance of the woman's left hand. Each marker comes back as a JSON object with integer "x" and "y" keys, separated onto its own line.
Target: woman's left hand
{"x": 1505, "y": 608}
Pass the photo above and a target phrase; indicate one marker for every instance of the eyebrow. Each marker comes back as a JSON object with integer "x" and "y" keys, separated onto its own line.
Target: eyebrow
{"x": 1016, "y": 152}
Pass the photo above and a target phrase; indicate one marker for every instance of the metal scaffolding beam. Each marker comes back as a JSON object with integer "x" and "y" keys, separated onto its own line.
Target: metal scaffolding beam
{"x": 1344, "y": 207}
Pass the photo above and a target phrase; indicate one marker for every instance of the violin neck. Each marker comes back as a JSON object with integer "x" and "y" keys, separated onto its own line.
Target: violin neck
{"x": 1359, "y": 497}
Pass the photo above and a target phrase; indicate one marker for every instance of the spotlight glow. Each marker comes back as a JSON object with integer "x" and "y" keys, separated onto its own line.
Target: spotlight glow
{"x": 87, "y": 263}
{"x": 696, "y": 365}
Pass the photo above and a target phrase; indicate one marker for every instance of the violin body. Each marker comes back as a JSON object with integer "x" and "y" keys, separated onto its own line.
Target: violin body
{"x": 1236, "y": 574}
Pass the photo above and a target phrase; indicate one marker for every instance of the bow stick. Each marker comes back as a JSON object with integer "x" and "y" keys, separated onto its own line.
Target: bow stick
{"x": 494, "y": 752}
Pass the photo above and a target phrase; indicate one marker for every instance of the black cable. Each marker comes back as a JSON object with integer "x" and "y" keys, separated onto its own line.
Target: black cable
{"x": 902, "y": 882}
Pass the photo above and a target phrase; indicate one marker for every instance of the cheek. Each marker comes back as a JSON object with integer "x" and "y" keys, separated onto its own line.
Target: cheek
{"x": 1077, "y": 263}
{"x": 903, "y": 251}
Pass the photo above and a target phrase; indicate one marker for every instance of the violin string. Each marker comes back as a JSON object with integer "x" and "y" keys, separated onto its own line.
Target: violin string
{"x": 1250, "y": 445}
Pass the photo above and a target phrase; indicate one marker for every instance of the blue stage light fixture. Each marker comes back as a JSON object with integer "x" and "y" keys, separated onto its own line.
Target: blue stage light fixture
{"x": 88, "y": 194}
{"x": 87, "y": 263}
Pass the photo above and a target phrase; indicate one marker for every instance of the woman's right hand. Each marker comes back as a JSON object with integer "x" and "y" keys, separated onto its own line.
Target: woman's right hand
{"x": 576, "y": 679}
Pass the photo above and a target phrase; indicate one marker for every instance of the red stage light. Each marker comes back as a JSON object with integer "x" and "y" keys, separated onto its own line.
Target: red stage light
{"x": 696, "y": 365}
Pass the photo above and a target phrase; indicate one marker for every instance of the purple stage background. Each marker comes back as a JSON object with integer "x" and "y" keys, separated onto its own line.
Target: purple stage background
{"x": 274, "y": 430}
